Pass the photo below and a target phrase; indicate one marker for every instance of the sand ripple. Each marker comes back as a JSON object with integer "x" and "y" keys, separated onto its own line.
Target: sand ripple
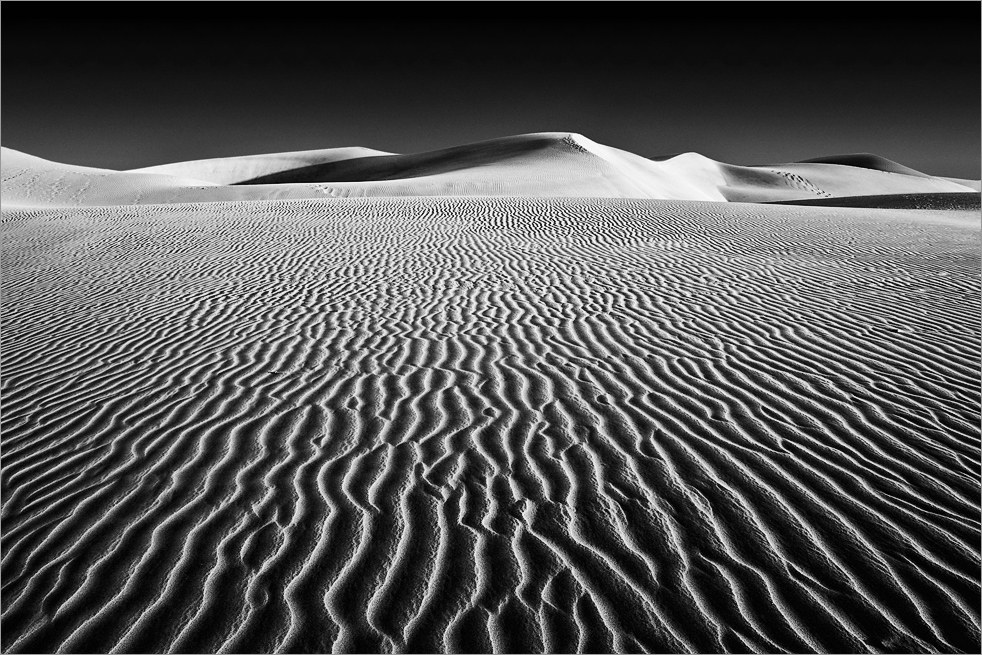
{"x": 490, "y": 424}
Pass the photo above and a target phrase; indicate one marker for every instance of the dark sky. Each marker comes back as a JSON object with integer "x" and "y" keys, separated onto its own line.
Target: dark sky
{"x": 123, "y": 85}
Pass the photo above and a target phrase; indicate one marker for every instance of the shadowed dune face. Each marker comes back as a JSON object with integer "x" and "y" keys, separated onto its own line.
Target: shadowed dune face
{"x": 396, "y": 167}
{"x": 476, "y": 424}
{"x": 236, "y": 170}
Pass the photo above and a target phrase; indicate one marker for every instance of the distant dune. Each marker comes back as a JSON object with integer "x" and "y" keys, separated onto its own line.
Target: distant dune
{"x": 875, "y": 162}
{"x": 867, "y": 160}
{"x": 236, "y": 170}
{"x": 260, "y": 418}
{"x": 532, "y": 165}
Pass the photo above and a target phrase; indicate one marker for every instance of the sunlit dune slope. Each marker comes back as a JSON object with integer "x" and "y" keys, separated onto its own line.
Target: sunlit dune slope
{"x": 32, "y": 181}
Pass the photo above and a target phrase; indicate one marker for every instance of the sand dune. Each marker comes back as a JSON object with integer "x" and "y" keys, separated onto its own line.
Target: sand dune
{"x": 500, "y": 423}
{"x": 553, "y": 164}
{"x": 235, "y": 170}
{"x": 875, "y": 162}
{"x": 975, "y": 185}
{"x": 29, "y": 181}
{"x": 867, "y": 160}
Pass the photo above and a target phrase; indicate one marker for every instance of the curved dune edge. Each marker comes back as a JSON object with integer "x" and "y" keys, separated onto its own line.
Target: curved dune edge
{"x": 548, "y": 164}
{"x": 468, "y": 425}
{"x": 867, "y": 160}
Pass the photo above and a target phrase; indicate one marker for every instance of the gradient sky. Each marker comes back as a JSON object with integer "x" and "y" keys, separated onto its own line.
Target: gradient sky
{"x": 102, "y": 84}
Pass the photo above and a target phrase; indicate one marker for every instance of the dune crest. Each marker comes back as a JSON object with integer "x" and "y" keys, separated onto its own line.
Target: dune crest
{"x": 866, "y": 160}
{"x": 548, "y": 164}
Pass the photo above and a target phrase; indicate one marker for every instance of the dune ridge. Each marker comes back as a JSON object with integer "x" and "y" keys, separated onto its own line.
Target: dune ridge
{"x": 548, "y": 164}
{"x": 490, "y": 424}
{"x": 866, "y": 160}
{"x": 236, "y": 170}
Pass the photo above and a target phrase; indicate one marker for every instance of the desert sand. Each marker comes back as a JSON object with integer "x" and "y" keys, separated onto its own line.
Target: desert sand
{"x": 533, "y": 394}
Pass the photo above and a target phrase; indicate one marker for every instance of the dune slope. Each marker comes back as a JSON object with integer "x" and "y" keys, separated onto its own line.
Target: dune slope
{"x": 29, "y": 181}
{"x": 476, "y": 424}
{"x": 235, "y": 170}
{"x": 867, "y": 160}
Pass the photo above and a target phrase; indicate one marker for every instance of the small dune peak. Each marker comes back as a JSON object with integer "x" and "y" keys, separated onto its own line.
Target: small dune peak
{"x": 576, "y": 142}
{"x": 691, "y": 157}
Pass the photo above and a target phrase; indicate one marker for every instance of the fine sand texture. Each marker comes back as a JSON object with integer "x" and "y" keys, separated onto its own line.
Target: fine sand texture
{"x": 474, "y": 424}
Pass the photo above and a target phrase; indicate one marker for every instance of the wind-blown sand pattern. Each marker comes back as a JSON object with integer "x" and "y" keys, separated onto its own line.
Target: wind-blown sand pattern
{"x": 490, "y": 424}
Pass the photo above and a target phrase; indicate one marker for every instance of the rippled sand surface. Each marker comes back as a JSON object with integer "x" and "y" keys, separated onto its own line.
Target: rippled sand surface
{"x": 476, "y": 424}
